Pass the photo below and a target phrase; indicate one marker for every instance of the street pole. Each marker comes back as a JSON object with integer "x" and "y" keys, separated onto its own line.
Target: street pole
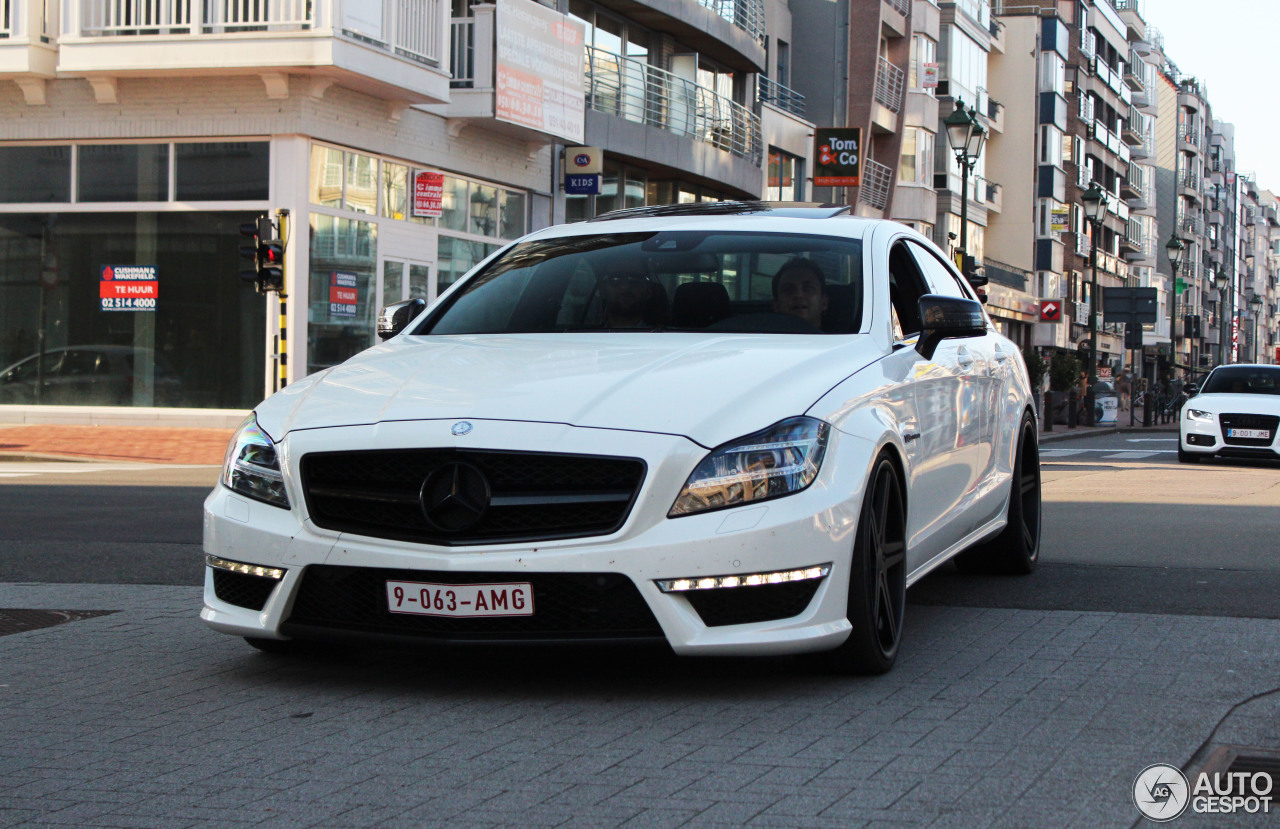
{"x": 1093, "y": 325}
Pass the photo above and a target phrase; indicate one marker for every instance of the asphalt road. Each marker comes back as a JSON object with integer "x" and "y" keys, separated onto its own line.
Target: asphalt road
{"x": 1126, "y": 529}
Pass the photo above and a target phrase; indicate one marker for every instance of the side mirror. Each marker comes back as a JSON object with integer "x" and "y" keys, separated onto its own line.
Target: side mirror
{"x": 945, "y": 318}
{"x": 396, "y": 317}
{"x": 1191, "y": 389}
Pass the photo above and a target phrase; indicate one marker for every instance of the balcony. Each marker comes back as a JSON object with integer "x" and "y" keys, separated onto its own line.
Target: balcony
{"x": 876, "y": 180}
{"x": 1190, "y": 184}
{"x": 988, "y": 193}
{"x": 393, "y": 49}
{"x": 635, "y": 91}
{"x": 1005, "y": 274}
{"x": 889, "y": 84}
{"x": 1133, "y": 73}
{"x": 772, "y": 92}
{"x": 1131, "y": 131}
{"x": 995, "y": 115}
{"x": 894, "y": 19}
{"x": 28, "y": 53}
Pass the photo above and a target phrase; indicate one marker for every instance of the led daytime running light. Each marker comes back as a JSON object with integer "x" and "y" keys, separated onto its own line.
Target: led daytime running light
{"x": 244, "y": 569}
{"x": 750, "y": 580}
{"x": 1197, "y": 414}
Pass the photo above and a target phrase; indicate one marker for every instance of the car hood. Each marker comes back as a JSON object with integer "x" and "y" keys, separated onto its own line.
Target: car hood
{"x": 1221, "y": 402}
{"x": 709, "y": 388}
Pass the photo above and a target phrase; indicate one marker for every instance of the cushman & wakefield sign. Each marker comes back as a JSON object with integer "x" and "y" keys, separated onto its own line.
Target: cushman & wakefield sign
{"x": 837, "y": 153}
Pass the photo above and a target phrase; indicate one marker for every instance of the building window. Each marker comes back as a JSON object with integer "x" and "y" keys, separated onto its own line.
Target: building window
{"x": 198, "y": 344}
{"x": 924, "y": 50}
{"x": 786, "y": 172}
{"x": 916, "y": 165}
{"x": 222, "y": 171}
{"x": 1050, "y": 145}
{"x": 35, "y": 174}
{"x": 1053, "y": 73}
{"x": 341, "y": 292}
{"x": 783, "y": 63}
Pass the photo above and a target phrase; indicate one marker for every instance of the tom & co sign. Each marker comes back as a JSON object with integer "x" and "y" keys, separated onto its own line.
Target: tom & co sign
{"x": 837, "y": 153}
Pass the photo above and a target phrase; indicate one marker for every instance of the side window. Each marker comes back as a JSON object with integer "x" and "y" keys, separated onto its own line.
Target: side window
{"x": 906, "y": 286}
{"x": 942, "y": 280}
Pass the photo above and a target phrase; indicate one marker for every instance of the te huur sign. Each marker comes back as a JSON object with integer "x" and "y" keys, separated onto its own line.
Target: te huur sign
{"x": 837, "y": 153}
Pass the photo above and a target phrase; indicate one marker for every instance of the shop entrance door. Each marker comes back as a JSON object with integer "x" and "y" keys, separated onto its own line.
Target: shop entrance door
{"x": 400, "y": 279}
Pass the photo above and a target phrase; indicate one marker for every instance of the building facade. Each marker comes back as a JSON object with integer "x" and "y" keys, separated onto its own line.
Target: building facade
{"x": 393, "y": 145}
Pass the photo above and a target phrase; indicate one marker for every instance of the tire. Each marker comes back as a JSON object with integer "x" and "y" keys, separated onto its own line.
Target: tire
{"x": 1016, "y": 550}
{"x": 1186, "y": 457}
{"x": 877, "y": 579}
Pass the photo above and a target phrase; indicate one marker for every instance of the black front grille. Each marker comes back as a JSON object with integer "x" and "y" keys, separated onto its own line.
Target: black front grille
{"x": 1248, "y": 421}
{"x": 242, "y": 590}
{"x": 532, "y": 496}
{"x": 565, "y": 606}
{"x": 761, "y": 603}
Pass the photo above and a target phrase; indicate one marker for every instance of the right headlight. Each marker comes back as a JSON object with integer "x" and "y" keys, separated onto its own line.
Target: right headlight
{"x": 251, "y": 466}
{"x": 1202, "y": 416}
{"x": 781, "y": 460}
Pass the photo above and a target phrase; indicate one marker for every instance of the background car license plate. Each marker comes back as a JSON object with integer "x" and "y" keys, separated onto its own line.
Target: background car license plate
{"x": 1261, "y": 434}
{"x": 425, "y": 599}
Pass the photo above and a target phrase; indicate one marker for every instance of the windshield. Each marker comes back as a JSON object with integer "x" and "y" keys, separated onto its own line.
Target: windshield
{"x": 773, "y": 283}
{"x": 1243, "y": 380}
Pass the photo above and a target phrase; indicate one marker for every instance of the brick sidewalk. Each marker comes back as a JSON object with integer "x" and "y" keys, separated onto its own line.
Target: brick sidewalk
{"x": 143, "y": 444}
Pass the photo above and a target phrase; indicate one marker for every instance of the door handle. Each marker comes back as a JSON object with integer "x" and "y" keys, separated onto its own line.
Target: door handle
{"x": 963, "y": 359}
{"x": 1000, "y": 355}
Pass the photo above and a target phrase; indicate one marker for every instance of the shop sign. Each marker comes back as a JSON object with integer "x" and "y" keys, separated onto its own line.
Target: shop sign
{"x": 838, "y": 155}
{"x": 344, "y": 294}
{"x": 582, "y": 167}
{"x": 428, "y": 194}
{"x": 128, "y": 287}
{"x": 539, "y": 69}
{"x": 929, "y": 77}
{"x": 1050, "y": 310}
{"x": 1059, "y": 219}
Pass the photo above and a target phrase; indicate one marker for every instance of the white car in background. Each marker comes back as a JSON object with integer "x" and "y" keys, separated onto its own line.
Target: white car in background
{"x": 1234, "y": 414}
{"x": 736, "y": 428}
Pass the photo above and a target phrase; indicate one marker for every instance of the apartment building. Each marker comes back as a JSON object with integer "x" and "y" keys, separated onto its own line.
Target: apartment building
{"x": 854, "y": 74}
{"x": 407, "y": 140}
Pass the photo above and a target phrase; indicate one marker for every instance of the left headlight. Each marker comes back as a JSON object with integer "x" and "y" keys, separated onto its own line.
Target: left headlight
{"x": 251, "y": 466}
{"x": 1202, "y": 416}
{"x": 778, "y": 461}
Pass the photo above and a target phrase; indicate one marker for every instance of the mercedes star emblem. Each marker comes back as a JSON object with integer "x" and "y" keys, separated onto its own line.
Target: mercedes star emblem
{"x": 461, "y": 428}
{"x": 455, "y": 497}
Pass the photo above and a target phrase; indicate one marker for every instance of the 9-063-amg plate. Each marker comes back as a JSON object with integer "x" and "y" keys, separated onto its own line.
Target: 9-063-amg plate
{"x": 466, "y": 600}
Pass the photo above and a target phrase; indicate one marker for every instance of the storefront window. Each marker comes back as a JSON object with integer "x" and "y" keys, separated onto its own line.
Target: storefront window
{"x": 326, "y": 176}
{"x": 222, "y": 170}
{"x": 454, "y": 204}
{"x": 513, "y": 215}
{"x": 484, "y": 210}
{"x": 122, "y": 172}
{"x": 192, "y": 337}
{"x": 362, "y": 184}
{"x": 784, "y": 177}
{"x": 343, "y": 260}
{"x": 457, "y": 256}
{"x": 395, "y": 191}
{"x": 35, "y": 174}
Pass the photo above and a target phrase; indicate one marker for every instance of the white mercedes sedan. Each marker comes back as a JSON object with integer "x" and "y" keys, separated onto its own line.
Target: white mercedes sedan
{"x": 737, "y": 428}
{"x": 1235, "y": 414}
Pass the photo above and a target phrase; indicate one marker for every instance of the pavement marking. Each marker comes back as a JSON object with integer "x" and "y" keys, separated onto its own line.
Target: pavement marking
{"x": 1152, "y": 440}
{"x": 1134, "y": 455}
{"x": 1129, "y": 454}
{"x": 1060, "y": 453}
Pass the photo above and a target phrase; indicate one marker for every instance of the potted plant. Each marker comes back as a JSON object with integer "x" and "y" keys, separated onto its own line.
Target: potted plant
{"x": 1064, "y": 373}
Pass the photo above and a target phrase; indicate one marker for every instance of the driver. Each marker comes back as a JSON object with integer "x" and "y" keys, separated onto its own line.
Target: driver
{"x": 627, "y": 292}
{"x": 799, "y": 289}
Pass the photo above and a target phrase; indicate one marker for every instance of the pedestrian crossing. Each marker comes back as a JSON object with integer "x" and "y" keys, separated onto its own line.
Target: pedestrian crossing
{"x": 1107, "y": 454}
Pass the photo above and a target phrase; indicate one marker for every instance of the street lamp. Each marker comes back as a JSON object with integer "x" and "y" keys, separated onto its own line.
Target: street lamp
{"x": 966, "y": 137}
{"x": 1255, "y": 305}
{"x": 1226, "y": 317}
{"x": 1094, "y": 200}
{"x": 1175, "y": 251}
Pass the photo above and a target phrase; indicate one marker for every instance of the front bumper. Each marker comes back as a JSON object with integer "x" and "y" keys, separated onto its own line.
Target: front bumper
{"x": 1207, "y": 438}
{"x": 810, "y": 528}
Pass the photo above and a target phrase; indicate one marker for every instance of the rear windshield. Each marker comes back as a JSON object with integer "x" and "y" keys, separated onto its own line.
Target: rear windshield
{"x": 663, "y": 281}
{"x": 1243, "y": 380}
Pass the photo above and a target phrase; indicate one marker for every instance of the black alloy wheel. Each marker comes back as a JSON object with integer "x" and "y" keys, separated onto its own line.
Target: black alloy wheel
{"x": 877, "y": 578}
{"x": 1016, "y": 550}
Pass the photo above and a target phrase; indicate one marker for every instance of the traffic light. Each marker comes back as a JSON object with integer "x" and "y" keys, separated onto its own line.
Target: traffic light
{"x": 1191, "y": 326}
{"x": 266, "y": 254}
{"x": 973, "y": 271}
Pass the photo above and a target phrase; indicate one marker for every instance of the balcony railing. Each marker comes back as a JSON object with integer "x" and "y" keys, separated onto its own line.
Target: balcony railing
{"x": 747, "y": 15}
{"x": 407, "y": 28}
{"x": 633, "y": 90}
{"x": 876, "y": 180}
{"x": 889, "y": 84}
{"x": 772, "y": 92}
{"x": 462, "y": 55}
{"x": 902, "y": 7}
{"x": 1002, "y": 273}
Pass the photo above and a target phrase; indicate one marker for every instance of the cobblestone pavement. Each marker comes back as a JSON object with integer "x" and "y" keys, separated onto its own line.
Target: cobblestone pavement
{"x": 1001, "y": 718}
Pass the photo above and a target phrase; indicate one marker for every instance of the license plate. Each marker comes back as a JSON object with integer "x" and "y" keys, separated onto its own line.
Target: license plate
{"x": 425, "y": 599}
{"x": 1257, "y": 434}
